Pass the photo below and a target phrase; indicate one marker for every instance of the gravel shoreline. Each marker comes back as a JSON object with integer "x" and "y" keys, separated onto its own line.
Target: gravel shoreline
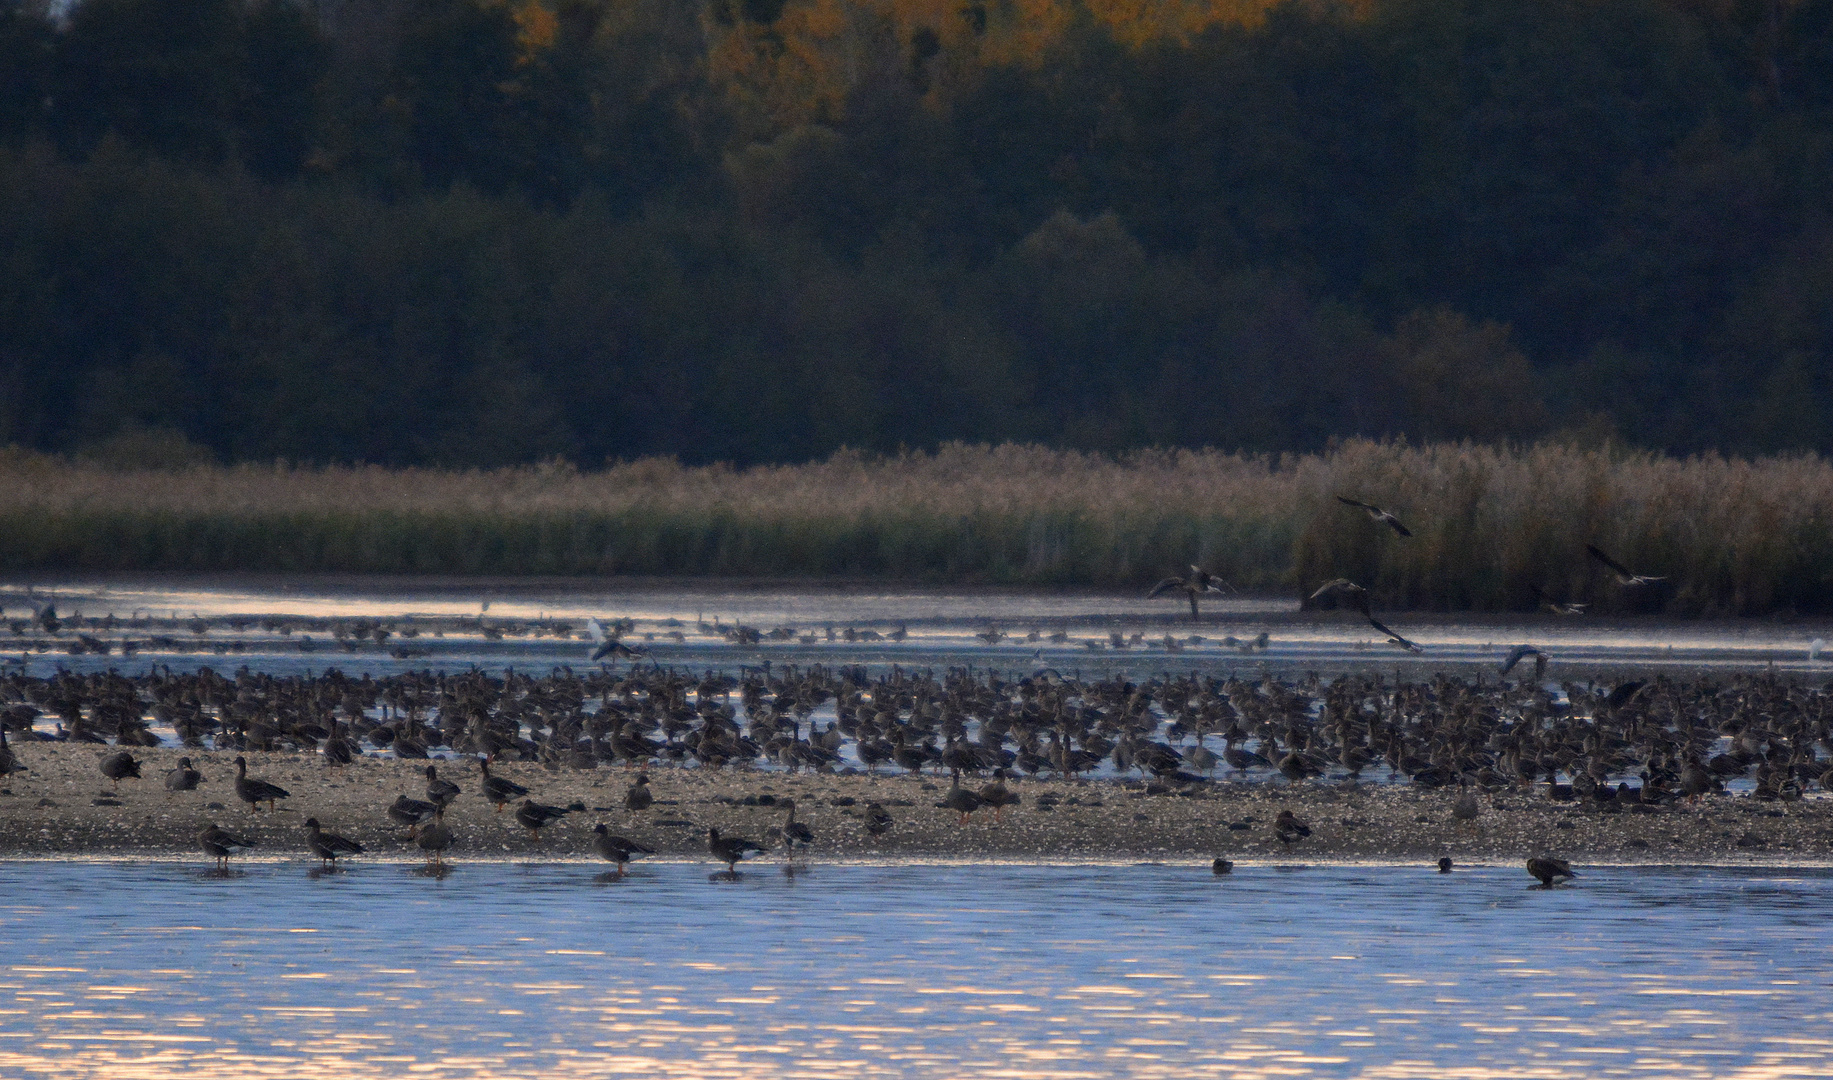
{"x": 62, "y": 805}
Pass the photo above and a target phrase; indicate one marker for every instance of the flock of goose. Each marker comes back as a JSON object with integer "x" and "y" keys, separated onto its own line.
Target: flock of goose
{"x": 1639, "y": 743}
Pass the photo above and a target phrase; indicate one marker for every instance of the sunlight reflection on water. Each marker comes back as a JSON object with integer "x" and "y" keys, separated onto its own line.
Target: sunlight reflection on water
{"x": 504, "y": 970}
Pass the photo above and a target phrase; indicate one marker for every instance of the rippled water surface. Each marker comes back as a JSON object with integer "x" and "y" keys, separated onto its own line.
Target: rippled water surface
{"x": 502, "y": 970}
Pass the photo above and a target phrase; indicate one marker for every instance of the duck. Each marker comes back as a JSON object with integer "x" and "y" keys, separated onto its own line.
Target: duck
{"x": 219, "y": 844}
{"x": 435, "y": 839}
{"x": 731, "y": 850}
{"x": 183, "y": 778}
{"x": 120, "y": 766}
{"x": 1288, "y": 829}
{"x": 1444, "y": 865}
{"x": 256, "y": 791}
{"x": 616, "y": 849}
{"x": 328, "y": 846}
{"x": 440, "y": 792}
{"x": 1550, "y": 871}
{"x": 499, "y": 791}
{"x": 638, "y": 798}
{"x": 535, "y": 816}
{"x": 961, "y": 801}
{"x": 1220, "y": 866}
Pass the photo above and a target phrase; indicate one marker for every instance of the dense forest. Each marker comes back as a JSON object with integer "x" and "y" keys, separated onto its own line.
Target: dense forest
{"x": 477, "y": 232}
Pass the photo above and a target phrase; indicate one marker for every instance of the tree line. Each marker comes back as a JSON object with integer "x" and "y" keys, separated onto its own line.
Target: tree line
{"x": 478, "y": 232}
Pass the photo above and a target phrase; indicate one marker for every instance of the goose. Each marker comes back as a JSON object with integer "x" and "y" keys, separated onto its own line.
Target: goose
{"x": 535, "y": 816}
{"x": 183, "y": 778}
{"x": 435, "y": 839}
{"x": 796, "y": 835}
{"x": 961, "y": 801}
{"x": 1198, "y": 581}
{"x": 120, "y": 766}
{"x": 1444, "y": 865}
{"x": 731, "y": 850}
{"x": 220, "y": 843}
{"x": 1625, "y": 576}
{"x": 1520, "y": 652}
{"x": 1288, "y": 829}
{"x": 1550, "y": 871}
{"x": 1220, "y": 866}
{"x": 337, "y": 749}
{"x": 878, "y": 819}
{"x": 1342, "y": 590}
{"x": 440, "y": 792}
{"x": 1377, "y": 515}
{"x": 1394, "y": 638}
{"x": 616, "y": 849}
{"x": 256, "y": 791}
{"x": 9, "y": 762}
{"x": 638, "y": 798}
{"x": 328, "y": 846}
{"x": 1558, "y": 607}
{"x": 499, "y": 791}
{"x": 411, "y": 813}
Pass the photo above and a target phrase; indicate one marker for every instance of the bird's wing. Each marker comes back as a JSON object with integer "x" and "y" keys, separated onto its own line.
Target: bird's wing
{"x": 596, "y": 629}
{"x": 1514, "y": 657}
{"x": 1347, "y": 501}
{"x": 1168, "y": 583}
{"x": 1329, "y": 587}
{"x": 1608, "y": 561}
{"x": 1395, "y": 522}
{"x": 1402, "y": 642}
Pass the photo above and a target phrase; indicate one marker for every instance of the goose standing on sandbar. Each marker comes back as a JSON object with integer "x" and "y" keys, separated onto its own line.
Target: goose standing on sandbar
{"x": 499, "y": 791}
{"x": 256, "y": 791}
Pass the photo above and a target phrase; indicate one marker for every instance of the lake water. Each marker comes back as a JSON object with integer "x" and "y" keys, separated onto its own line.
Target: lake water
{"x": 143, "y": 970}
{"x": 455, "y": 624}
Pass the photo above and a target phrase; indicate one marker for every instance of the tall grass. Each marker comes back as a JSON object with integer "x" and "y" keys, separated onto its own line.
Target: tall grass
{"x": 1734, "y": 536}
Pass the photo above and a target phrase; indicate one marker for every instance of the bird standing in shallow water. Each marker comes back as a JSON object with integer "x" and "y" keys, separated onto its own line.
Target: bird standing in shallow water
{"x": 328, "y": 846}
{"x": 616, "y": 849}
{"x": 731, "y": 850}
{"x": 435, "y": 840}
{"x": 220, "y": 843}
{"x": 1550, "y": 871}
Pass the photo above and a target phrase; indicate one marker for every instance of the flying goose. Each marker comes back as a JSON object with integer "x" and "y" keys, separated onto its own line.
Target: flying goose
{"x": 1377, "y": 515}
{"x": 1520, "y": 652}
{"x": 1198, "y": 581}
{"x": 1557, "y": 607}
{"x": 1624, "y": 575}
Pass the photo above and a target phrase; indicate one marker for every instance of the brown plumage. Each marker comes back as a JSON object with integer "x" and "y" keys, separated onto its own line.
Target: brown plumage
{"x": 256, "y": 791}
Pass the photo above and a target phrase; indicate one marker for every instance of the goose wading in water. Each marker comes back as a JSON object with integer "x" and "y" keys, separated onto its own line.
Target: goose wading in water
{"x": 435, "y": 839}
{"x": 616, "y": 849}
{"x": 731, "y": 850}
{"x": 256, "y": 791}
{"x": 328, "y": 846}
{"x": 220, "y": 843}
{"x": 1550, "y": 871}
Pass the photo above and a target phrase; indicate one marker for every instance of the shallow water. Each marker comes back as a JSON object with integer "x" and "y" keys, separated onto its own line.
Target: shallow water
{"x": 504, "y": 970}
{"x": 457, "y": 624}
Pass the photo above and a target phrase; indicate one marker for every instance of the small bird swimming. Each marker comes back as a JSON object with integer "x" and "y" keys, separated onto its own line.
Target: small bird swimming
{"x": 1220, "y": 866}
{"x": 1550, "y": 871}
{"x": 1444, "y": 865}
{"x": 1377, "y": 515}
{"x": 1625, "y": 575}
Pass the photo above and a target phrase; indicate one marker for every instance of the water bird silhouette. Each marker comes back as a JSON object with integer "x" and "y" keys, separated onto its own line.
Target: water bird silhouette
{"x": 1198, "y": 581}
{"x": 1625, "y": 575}
{"x": 1377, "y": 515}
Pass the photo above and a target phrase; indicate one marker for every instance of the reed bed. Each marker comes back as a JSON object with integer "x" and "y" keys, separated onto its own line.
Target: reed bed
{"x": 1734, "y": 536}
